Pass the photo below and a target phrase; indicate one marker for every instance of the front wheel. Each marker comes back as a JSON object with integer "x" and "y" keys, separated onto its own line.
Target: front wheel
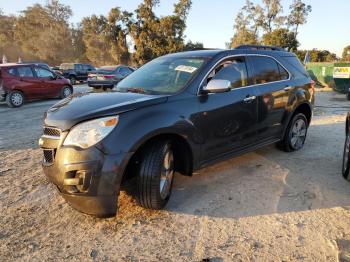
{"x": 295, "y": 135}
{"x": 155, "y": 176}
{"x": 65, "y": 92}
{"x": 15, "y": 99}
{"x": 346, "y": 156}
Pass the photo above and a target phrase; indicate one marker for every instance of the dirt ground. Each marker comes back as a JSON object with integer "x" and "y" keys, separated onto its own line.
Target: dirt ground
{"x": 262, "y": 206}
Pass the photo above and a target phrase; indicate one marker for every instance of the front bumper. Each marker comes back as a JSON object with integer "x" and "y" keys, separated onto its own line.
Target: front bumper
{"x": 2, "y": 95}
{"x": 87, "y": 179}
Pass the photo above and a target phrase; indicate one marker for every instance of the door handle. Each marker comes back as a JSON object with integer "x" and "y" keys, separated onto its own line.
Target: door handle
{"x": 287, "y": 88}
{"x": 249, "y": 99}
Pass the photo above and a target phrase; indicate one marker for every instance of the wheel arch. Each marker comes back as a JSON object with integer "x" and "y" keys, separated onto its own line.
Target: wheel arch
{"x": 183, "y": 153}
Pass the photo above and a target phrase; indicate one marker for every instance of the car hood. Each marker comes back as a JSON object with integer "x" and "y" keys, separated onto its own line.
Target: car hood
{"x": 84, "y": 106}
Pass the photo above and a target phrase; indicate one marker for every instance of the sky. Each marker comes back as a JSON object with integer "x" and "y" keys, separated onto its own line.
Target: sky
{"x": 211, "y": 22}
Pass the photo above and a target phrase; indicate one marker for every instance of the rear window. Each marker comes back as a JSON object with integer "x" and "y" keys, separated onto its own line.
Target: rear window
{"x": 66, "y": 66}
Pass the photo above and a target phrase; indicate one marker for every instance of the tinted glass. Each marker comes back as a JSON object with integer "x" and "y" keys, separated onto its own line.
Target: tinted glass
{"x": 25, "y": 71}
{"x": 165, "y": 75}
{"x": 12, "y": 71}
{"x": 297, "y": 67}
{"x": 265, "y": 70}
{"x": 234, "y": 70}
{"x": 124, "y": 71}
{"x": 78, "y": 67}
{"x": 42, "y": 73}
{"x": 283, "y": 73}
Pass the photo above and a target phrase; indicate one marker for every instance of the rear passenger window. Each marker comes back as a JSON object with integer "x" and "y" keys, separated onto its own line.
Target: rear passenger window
{"x": 12, "y": 71}
{"x": 25, "y": 71}
{"x": 267, "y": 70}
{"x": 234, "y": 70}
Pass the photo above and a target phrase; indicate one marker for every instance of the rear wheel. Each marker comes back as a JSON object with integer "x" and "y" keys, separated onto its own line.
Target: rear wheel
{"x": 65, "y": 92}
{"x": 295, "y": 135}
{"x": 15, "y": 99}
{"x": 155, "y": 176}
{"x": 346, "y": 156}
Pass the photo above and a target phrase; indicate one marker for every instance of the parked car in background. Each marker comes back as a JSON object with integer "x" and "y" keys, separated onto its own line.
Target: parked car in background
{"x": 76, "y": 72}
{"x": 178, "y": 113}
{"x": 55, "y": 69}
{"x": 108, "y": 76}
{"x": 346, "y": 154}
{"x": 24, "y": 82}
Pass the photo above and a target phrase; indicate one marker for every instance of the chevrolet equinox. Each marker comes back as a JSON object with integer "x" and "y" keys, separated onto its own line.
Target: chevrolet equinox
{"x": 178, "y": 113}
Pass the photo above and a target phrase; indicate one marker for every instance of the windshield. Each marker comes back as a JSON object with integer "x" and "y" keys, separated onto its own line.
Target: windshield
{"x": 165, "y": 75}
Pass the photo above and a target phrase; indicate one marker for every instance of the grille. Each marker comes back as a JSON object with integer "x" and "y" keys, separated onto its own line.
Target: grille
{"x": 49, "y": 131}
{"x": 49, "y": 155}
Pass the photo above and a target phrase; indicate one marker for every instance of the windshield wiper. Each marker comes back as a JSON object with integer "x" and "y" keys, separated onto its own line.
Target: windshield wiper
{"x": 138, "y": 90}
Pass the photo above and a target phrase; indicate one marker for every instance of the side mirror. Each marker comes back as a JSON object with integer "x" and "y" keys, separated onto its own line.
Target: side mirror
{"x": 217, "y": 86}
{"x": 53, "y": 77}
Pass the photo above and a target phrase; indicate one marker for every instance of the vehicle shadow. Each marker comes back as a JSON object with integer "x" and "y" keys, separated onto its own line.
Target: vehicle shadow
{"x": 268, "y": 181}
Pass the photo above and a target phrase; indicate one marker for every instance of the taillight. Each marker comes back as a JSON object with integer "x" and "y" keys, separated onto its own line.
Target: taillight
{"x": 108, "y": 76}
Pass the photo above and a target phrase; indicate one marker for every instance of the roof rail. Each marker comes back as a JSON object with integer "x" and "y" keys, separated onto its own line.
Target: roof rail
{"x": 260, "y": 47}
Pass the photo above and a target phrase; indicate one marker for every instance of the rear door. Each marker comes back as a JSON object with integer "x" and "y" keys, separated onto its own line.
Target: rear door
{"x": 28, "y": 83}
{"x": 228, "y": 119}
{"x": 272, "y": 84}
{"x": 81, "y": 73}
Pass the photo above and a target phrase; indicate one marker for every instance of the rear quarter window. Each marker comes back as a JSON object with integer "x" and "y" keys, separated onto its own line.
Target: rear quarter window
{"x": 295, "y": 66}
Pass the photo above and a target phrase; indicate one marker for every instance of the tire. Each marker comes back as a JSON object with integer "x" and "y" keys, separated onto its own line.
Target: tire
{"x": 155, "y": 176}
{"x": 295, "y": 135}
{"x": 73, "y": 80}
{"x": 346, "y": 158}
{"x": 348, "y": 96}
{"x": 15, "y": 99}
{"x": 66, "y": 91}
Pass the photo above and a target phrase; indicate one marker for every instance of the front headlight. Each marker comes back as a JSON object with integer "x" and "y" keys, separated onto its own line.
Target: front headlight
{"x": 90, "y": 132}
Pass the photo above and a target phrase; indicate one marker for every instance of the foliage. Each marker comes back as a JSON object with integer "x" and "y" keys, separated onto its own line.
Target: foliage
{"x": 299, "y": 12}
{"x": 266, "y": 24}
{"x": 281, "y": 37}
{"x": 346, "y": 53}
{"x": 41, "y": 32}
{"x": 193, "y": 46}
{"x": 317, "y": 55}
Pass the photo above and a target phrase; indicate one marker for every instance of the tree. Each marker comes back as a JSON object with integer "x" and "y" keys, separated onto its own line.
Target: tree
{"x": 346, "y": 53}
{"x": 8, "y": 45}
{"x": 298, "y": 15}
{"x": 281, "y": 38}
{"x": 153, "y": 36}
{"x": 317, "y": 55}
{"x": 243, "y": 34}
{"x": 272, "y": 10}
{"x": 43, "y": 33}
{"x": 193, "y": 46}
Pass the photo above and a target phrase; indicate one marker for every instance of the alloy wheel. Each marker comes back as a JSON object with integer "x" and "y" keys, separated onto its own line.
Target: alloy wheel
{"x": 346, "y": 154}
{"x": 298, "y": 134}
{"x": 166, "y": 175}
{"x": 67, "y": 92}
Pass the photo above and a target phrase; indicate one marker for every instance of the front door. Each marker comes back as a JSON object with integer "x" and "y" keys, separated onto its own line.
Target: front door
{"x": 50, "y": 85}
{"x": 228, "y": 119}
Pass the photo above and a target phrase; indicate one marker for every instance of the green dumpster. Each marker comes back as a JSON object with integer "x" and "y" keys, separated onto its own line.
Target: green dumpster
{"x": 341, "y": 76}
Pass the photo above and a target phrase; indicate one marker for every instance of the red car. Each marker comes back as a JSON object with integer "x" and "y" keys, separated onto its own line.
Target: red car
{"x": 21, "y": 82}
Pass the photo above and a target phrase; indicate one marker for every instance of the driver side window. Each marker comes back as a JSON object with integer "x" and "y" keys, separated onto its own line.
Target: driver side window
{"x": 43, "y": 73}
{"x": 233, "y": 70}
